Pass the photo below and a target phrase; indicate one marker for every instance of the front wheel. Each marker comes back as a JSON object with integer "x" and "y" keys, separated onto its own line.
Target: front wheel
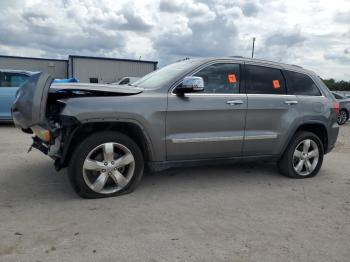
{"x": 303, "y": 157}
{"x": 105, "y": 164}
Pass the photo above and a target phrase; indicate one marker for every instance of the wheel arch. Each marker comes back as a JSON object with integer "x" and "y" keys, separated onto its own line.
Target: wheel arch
{"x": 318, "y": 128}
{"x": 129, "y": 127}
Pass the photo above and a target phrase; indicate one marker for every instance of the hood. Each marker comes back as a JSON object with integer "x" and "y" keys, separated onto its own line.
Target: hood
{"x": 29, "y": 107}
{"x": 94, "y": 88}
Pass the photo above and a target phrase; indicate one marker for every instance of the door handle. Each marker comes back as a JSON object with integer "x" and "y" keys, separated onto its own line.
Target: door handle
{"x": 291, "y": 102}
{"x": 234, "y": 102}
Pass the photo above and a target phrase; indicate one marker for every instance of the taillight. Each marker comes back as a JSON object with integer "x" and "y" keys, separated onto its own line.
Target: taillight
{"x": 336, "y": 107}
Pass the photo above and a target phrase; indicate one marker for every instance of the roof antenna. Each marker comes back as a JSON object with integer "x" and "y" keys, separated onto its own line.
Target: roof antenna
{"x": 253, "y": 47}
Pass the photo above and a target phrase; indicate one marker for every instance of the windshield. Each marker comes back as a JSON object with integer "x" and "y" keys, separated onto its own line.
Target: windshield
{"x": 161, "y": 76}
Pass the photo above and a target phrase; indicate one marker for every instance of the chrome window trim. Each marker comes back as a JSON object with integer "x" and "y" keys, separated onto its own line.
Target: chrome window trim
{"x": 214, "y": 94}
{"x": 274, "y": 95}
{"x": 311, "y": 96}
{"x": 242, "y": 63}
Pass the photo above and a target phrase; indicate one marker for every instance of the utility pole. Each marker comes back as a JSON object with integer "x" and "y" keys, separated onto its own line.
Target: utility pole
{"x": 253, "y": 47}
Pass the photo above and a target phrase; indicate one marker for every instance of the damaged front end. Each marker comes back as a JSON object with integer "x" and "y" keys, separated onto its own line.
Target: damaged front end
{"x": 38, "y": 110}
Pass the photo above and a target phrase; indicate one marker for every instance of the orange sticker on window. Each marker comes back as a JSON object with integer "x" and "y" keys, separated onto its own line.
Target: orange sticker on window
{"x": 231, "y": 78}
{"x": 276, "y": 84}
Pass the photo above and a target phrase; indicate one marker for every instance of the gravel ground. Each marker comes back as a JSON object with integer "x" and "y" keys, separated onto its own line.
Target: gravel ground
{"x": 242, "y": 212}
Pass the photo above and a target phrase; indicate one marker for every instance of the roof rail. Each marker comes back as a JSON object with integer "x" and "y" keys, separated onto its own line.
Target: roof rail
{"x": 297, "y": 66}
{"x": 237, "y": 56}
{"x": 183, "y": 59}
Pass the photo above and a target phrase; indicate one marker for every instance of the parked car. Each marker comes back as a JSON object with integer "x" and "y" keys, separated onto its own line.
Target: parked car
{"x": 66, "y": 80}
{"x": 344, "y": 111}
{"x": 10, "y": 80}
{"x": 126, "y": 80}
{"x": 197, "y": 111}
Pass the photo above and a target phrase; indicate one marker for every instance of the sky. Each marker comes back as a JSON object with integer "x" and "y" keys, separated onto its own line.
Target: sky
{"x": 314, "y": 34}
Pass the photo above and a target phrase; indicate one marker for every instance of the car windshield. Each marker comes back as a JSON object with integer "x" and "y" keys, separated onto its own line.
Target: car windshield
{"x": 161, "y": 76}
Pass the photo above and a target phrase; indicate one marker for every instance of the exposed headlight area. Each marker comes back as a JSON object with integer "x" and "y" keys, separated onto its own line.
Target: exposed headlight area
{"x": 42, "y": 133}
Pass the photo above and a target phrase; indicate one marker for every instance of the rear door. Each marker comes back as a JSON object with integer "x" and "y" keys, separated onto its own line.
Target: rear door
{"x": 211, "y": 123}
{"x": 271, "y": 112}
{"x": 9, "y": 83}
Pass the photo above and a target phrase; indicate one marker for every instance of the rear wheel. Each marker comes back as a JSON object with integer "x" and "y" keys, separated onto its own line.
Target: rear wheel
{"x": 303, "y": 157}
{"x": 342, "y": 117}
{"x": 105, "y": 164}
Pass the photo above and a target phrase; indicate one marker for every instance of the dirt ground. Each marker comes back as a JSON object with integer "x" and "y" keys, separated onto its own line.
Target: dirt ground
{"x": 242, "y": 212}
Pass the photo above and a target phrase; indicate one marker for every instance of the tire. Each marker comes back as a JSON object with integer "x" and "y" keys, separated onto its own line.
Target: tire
{"x": 288, "y": 164}
{"x": 105, "y": 164}
{"x": 342, "y": 117}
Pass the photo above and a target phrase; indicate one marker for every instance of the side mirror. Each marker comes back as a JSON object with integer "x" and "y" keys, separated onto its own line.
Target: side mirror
{"x": 190, "y": 84}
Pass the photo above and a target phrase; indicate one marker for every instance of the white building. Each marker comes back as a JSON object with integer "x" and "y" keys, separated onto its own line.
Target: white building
{"x": 86, "y": 68}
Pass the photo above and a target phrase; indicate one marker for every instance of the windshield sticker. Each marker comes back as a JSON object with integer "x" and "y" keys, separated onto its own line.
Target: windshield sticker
{"x": 276, "y": 84}
{"x": 231, "y": 78}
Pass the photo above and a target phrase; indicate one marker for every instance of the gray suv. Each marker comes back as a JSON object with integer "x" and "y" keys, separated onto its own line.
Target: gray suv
{"x": 196, "y": 111}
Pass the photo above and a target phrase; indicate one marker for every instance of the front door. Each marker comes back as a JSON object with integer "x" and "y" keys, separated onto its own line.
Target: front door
{"x": 211, "y": 123}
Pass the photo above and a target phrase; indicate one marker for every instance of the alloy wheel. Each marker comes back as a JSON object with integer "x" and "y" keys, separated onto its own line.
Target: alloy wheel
{"x": 305, "y": 157}
{"x": 342, "y": 117}
{"x": 108, "y": 168}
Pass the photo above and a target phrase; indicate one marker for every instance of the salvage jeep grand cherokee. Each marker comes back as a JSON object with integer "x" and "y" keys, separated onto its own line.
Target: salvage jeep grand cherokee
{"x": 196, "y": 111}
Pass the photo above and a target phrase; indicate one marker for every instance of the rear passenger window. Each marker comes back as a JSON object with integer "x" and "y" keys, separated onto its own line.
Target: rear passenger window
{"x": 264, "y": 80}
{"x": 301, "y": 84}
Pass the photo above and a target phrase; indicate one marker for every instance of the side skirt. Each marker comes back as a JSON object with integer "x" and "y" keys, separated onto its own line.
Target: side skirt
{"x": 159, "y": 166}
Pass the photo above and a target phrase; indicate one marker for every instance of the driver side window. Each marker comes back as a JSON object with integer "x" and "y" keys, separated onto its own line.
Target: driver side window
{"x": 220, "y": 78}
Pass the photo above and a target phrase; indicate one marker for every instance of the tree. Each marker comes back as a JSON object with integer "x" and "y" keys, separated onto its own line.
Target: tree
{"x": 337, "y": 85}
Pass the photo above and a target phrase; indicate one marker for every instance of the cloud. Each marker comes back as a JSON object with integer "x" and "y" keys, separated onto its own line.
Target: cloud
{"x": 287, "y": 39}
{"x": 196, "y": 11}
{"x": 167, "y": 30}
{"x": 170, "y": 6}
{"x": 342, "y": 17}
{"x": 250, "y": 9}
{"x": 340, "y": 58}
{"x": 198, "y": 30}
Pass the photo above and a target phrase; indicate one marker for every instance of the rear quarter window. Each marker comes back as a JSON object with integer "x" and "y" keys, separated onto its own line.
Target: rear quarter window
{"x": 301, "y": 84}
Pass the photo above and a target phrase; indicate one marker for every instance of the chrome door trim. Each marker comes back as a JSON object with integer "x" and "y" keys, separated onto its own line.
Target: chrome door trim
{"x": 206, "y": 139}
{"x": 261, "y": 137}
{"x": 222, "y": 138}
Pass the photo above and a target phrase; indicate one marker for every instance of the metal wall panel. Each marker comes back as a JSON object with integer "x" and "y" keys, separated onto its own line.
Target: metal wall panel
{"x": 56, "y": 68}
{"x": 107, "y": 70}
